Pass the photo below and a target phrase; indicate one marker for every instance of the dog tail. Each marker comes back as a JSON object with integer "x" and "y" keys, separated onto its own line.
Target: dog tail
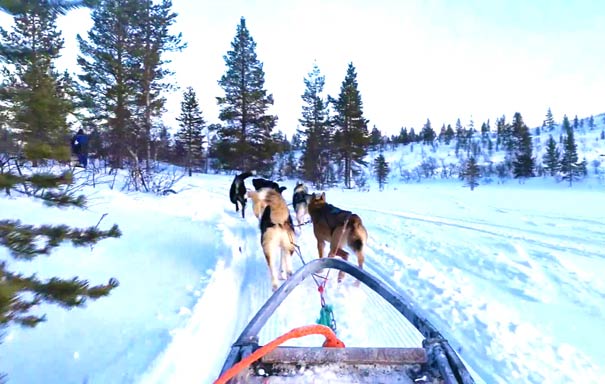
{"x": 357, "y": 232}
{"x": 232, "y": 193}
{"x": 279, "y": 209}
{"x": 354, "y": 221}
{"x": 246, "y": 175}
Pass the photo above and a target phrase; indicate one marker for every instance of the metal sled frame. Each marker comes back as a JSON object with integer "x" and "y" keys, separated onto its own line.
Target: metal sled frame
{"x": 436, "y": 353}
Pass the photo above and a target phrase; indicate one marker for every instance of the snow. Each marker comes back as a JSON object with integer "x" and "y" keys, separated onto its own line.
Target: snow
{"x": 510, "y": 273}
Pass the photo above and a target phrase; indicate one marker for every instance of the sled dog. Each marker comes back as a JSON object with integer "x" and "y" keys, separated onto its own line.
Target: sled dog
{"x": 260, "y": 183}
{"x": 237, "y": 192}
{"x": 332, "y": 224}
{"x": 276, "y": 231}
{"x": 300, "y": 201}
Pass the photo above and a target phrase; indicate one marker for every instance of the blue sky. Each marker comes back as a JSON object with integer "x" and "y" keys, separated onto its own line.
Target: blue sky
{"x": 415, "y": 60}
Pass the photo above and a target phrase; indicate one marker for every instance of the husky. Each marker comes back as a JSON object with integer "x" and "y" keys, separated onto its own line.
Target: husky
{"x": 260, "y": 183}
{"x": 300, "y": 202}
{"x": 237, "y": 192}
{"x": 276, "y": 230}
{"x": 337, "y": 226}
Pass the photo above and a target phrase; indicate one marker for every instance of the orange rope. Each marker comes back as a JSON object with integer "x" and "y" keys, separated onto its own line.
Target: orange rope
{"x": 331, "y": 342}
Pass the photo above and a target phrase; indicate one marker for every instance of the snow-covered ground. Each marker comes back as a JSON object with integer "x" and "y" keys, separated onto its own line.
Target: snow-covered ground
{"x": 510, "y": 273}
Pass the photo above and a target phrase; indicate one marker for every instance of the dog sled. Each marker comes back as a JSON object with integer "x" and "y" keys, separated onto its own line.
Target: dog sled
{"x": 248, "y": 362}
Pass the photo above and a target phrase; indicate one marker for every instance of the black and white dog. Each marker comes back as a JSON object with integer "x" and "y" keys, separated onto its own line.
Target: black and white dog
{"x": 237, "y": 192}
{"x": 260, "y": 183}
{"x": 300, "y": 201}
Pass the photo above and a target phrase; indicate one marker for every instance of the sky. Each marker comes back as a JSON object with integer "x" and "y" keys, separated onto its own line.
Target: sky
{"x": 416, "y": 60}
{"x": 510, "y": 273}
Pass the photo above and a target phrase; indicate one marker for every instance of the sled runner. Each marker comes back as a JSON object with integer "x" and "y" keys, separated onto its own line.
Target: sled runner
{"x": 248, "y": 362}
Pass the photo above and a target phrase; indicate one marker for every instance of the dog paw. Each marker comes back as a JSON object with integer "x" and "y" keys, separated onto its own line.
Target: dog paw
{"x": 282, "y": 276}
{"x": 274, "y": 286}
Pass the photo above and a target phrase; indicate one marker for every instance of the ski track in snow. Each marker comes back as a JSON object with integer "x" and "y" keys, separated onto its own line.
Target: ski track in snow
{"x": 420, "y": 264}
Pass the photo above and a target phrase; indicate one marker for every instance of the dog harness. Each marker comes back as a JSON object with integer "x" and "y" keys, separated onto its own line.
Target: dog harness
{"x": 299, "y": 197}
{"x": 334, "y": 216}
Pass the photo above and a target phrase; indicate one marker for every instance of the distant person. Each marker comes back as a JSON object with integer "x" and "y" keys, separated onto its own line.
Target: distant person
{"x": 79, "y": 147}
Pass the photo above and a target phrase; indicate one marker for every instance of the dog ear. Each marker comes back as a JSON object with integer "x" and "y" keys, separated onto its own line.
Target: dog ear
{"x": 323, "y": 196}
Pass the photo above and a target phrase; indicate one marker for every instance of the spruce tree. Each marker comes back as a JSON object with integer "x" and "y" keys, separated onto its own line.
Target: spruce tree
{"x": 427, "y": 134}
{"x": 576, "y": 123}
{"x": 315, "y": 130}
{"x": 191, "y": 136}
{"x": 381, "y": 169}
{"x": 549, "y": 122}
{"x": 20, "y": 293}
{"x": 449, "y": 134}
{"x": 36, "y": 96}
{"x": 570, "y": 168}
{"x": 351, "y": 127}
{"x": 470, "y": 173}
{"x": 404, "y": 137}
{"x": 551, "y": 157}
{"x": 523, "y": 163}
{"x": 245, "y": 137}
{"x": 375, "y": 138}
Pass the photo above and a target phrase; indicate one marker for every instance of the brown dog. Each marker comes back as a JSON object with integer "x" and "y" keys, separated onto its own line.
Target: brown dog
{"x": 338, "y": 227}
{"x": 276, "y": 228}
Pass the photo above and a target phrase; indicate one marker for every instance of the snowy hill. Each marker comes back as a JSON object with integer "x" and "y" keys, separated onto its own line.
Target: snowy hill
{"x": 418, "y": 162}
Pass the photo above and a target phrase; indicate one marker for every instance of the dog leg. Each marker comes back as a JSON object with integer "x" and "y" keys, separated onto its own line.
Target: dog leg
{"x": 360, "y": 258}
{"x": 320, "y": 248}
{"x": 268, "y": 246}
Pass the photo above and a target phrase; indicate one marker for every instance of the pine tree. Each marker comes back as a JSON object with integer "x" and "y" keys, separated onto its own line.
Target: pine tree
{"x": 351, "y": 126}
{"x": 549, "y": 122}
{"x": 110, "y": 76}
{"x": 245, "y": 139}
{"x": 163, "y": 145}
{"x": 449, "y": 134}
{"x": 576, "y": 123}
{"x": 124, "y": 72}
{"x": 20, "y": 293}
{"x": 428, "y": 134}
{"x": 152, "y": 40}
{"x": 485, "y": 130}
{"x": 403, "y": 137}
{"x": 570, "y": 168}
{"x": 381, "y": 168}
{"x": 470, "y": 173}
{"x": 375, "y": 138}
{"x": 523, "y": 163}
{"x": 441, "y": 136}
{"x": 461, "y": 137}
{"x": 552, "y": 157}
{"x": 191, "y": 136}
{"x": 591, "y": 124}
{"x": 315, "y": 131}
{"x": 36, "y": 95}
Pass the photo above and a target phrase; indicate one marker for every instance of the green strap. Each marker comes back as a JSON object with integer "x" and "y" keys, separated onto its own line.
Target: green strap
{"x": 326, "y": 317}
